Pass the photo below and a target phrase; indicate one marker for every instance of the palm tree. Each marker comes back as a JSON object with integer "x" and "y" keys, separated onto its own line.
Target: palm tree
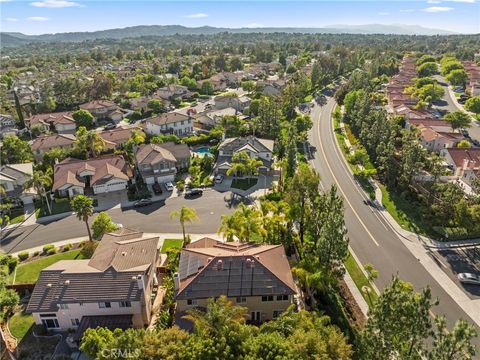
{"x": 83, "y": 206}
{"x": 39, "y": 181}
{"x": 227, "y": 227}
{"x": 89, "y": 142}
{"x": 245, "y": 223}
{"x": 185, "y": 215}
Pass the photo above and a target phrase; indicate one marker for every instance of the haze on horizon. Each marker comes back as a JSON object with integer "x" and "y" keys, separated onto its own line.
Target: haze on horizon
{"x": 56, "y": 16}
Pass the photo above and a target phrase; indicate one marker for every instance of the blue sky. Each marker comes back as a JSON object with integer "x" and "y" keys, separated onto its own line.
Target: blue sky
{"x": 51, "y": 16}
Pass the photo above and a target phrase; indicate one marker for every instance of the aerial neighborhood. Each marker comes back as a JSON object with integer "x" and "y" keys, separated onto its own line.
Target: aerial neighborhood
{"x": 196, "y": 193}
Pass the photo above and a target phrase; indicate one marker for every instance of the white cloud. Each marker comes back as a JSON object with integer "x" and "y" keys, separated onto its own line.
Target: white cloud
{"x": 407, "y": 10}
{"x": 197, "y": 16}
{"x": 12, "y": 19}
{"x": 436, "y": 9}
{"x": 2, "y": 1}
{"x": 433, "y": 1}
{"x": 383, "y": 13}
{"x": 55, "y": 4}
{"x": 462, "y": 1}
{"x": 253, "y": 25}
{"x": 37, "y": 18}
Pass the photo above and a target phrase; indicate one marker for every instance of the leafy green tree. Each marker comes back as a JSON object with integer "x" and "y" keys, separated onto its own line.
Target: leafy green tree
{"x": 40, "y": 182}
{"x": 398, "y": 324}
{"x": 448, "y": 67}
{"x": 457, "y": 77}
{"x": 245, "y": 224}
{"x": 83, "y": 207}
{"x": 452, "y": 345}
{"x": 413, "y": 157}
{"x": 464, "y": 144}
{"x": 9, "y": 300}
{"x": 425, "y": 59}
{"x": 458, "y": 119}
{"x": 102, "y": 224}
{"x": 102, "y": 87}
{"x": 473, "y": 104}
{"x": 156, "y": 105}
{"x": 15, "y": 150}
{"x": 168, "y": 344}
{"x": 427, "y": 69}
{"x": 184, "y": 215}
{"x": 422, "y": 81}
{"x": 84, "y": 118}
{"x": 248, "y": 85}
{"x": 207, "y": 87}
{"x": 88, "y": 142}
{"x": 242, "y": 164}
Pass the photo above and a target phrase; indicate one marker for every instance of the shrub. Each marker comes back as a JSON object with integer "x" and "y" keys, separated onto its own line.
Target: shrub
{"x": 12, "y": 264}
{"x": 47, "y": 248}
{"x": 23, "y": 256}
{"x": 52, "y": 251}
{"x": 36, "y": 253}
{"x": 67, "y": 247}
{"x": 88, "y": 249}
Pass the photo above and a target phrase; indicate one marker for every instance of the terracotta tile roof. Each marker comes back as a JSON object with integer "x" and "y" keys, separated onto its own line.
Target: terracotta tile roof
{"x": 118, "y": 135}
{"x": 152, "y": 153}
{"x": 459, "y": 156}
{"x": 67, "y": 171}
{"x": 210, "y": 268}
{"x": 51, "y": 141}
{"x": 64, "y": 117}
{"x": 429, "y": 134}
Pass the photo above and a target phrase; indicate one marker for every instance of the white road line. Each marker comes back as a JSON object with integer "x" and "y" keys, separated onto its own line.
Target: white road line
{"x": 340, "y": 188}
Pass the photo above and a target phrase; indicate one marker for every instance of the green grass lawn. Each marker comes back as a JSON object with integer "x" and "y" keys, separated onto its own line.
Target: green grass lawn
{"x": 244, "y": 184}
{"x": 308, "y": 98}
{"x": 171, "y": 243}
{"x": 17, "y": 219}
{"x": 28, "y": 273}
{"x": 360, "y": 280}
{"x": 59, "y": 206}
{"x": 19, "y": 324}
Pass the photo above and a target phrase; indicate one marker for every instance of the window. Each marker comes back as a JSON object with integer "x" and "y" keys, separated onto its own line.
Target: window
{"x": 241, "y": 300}
{"x": 276, "y": 313}
{"x": 125, "y": 304}
{"x": 183, "y": 122}
{"x": 75, "y": 322}
{"x": 104, "y": 305}
{"x": 50, "y": 323}
{"x": 191, "y": 302}
{"x": 282, "y": 297}
{"x": 267, "y": 298}
{"x": 64, "y": 306}
{"x": 47, "y": 315}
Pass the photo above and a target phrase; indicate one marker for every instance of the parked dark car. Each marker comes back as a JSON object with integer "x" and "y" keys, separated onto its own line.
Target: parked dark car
{"x": 157, "y": 189}
{"x": 213, "y": 141}
{"x": 110, "y": 126}
{"x": 193, "y": 193}
{"x": 142, "y": 203}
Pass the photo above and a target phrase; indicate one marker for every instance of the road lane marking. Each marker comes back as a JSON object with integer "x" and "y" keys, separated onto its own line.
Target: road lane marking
{"x": 338, "y": 184}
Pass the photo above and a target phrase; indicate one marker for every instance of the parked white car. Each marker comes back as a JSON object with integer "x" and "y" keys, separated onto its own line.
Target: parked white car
{"x": 218, "y": 179}
{"x": 169, "y": 186}
{"x": 469, "y": 278}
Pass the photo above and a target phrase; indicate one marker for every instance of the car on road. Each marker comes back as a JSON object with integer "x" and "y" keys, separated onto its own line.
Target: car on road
{"x": 110, "y": 126}
{"x": 469, "y": 278}
{"x": 142, "y": 203}
{"x": 193, "y": 193}
{"x": 169, "y": 186}
{"x": 218, "y": 179}
{"x": 157, "y": 189}
{"x": 476, "y": 142}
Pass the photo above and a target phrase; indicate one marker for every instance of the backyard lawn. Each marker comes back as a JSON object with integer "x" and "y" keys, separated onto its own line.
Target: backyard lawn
{"x": 19, "y": 324}
{"x": 171, "y": 243}
{"x": 28, "y": 273}
{"x": 244, "y": 184}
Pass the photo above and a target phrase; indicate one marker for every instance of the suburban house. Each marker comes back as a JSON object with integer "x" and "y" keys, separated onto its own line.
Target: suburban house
{"x": 13, "y": 178}
{"x": 61, "y": 122}
{"x": 101, "y": 109}
{"x": 115, "y": 288}
{"x": 209, "y": 119}
{"x": 8, "y": 126}
{"x": 434, "y": 140}
{"x": 169, "y": 123}
{"x": 436, "y": 124}
{"x": 142, "y": 102}
{"x": 95, "y": 176}
{"x": 272, "y": 87}
{"x": 239, "y": 103}
{"x": 118, "y": 136}
{"x": 160, "y": 163}
{"x": 465, "y": 163}
{"x": 173, "y": 91}
{"x": 255, "y": 276}
{"x": 45, "y": 143}
{"x": 253, "y": 146}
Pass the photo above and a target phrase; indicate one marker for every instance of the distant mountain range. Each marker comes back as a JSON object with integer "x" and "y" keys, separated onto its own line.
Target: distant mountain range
{"x": 17, "y": 39}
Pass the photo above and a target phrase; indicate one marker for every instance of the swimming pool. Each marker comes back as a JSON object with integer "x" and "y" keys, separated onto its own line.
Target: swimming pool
{"x": 203, "y": 151}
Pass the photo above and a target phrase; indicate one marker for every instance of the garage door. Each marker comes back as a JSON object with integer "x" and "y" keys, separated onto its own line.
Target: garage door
{"x": 165, "y": 179}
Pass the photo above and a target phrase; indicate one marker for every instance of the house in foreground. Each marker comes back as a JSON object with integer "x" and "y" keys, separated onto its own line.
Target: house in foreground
{"x": 116, "y": 287}
{"x": 159, "y": 163}
{"x": 255, "y": 276}
{"x": 261, "y": 149}
{"x": 95, "y": 176}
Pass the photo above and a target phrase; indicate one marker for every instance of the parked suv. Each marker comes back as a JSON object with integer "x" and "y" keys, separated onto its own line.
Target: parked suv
{"x": 193, "y": 193}
{"x": 157, "y": 189}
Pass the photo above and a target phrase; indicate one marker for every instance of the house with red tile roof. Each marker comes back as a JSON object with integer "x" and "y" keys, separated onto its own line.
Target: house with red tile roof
{"x": 465, "y": 163}
{"x": 61, "y": 122}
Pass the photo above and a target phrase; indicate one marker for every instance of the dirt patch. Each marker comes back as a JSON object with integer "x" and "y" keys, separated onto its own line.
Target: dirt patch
{"x": 351, "y": 305}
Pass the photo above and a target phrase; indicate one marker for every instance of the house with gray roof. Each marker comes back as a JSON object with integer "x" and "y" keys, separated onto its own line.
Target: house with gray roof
{"x": 159, "y": 163}
{"x": 255, "y": 276}
{"x": 13, "y": 178}
{"x": 261, "y": 149}
{"x": 116, "y": 287}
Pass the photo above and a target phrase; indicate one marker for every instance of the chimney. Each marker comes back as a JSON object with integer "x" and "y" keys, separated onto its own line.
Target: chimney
{"x": 176, "y": 281}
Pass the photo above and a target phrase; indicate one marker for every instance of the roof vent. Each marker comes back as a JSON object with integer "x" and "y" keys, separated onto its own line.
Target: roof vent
{"x": 134, "y": 277}
{"x": 124, "y": 253}
{"x": 67, "y": 282}
{"x": 257, "y": 257}
{"x": 219, "y": 265}
{"x": 49, "y": 285}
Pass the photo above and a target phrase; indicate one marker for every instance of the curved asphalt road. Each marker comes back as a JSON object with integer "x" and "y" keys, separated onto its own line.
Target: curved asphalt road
{"x": 371, "y": 237}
